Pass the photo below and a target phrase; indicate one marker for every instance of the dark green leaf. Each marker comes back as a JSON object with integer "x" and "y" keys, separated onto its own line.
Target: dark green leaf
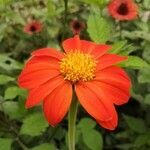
{"x": 86, "y": 124}
{"x": 135, "y": 124}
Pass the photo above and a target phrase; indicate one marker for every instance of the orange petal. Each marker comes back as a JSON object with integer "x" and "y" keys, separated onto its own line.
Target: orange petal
{"x": 48, "y": 52}
{"x": 43, "y": 59}
{"x": 35, "y": 79}
{"x": 92, "y": 101}
{"x": 38, "y": 94}
{"x": 87, "y": 46}
{"x": 111, "y": 124}
{"x": 116, "y": 94}
{"x": 35, "y": 74}
{"x": 100, "y": 50}
{"x": 108, "y": 60}
{"x": 57, "y": 103}
{"x": 71, "y": 44}
{"x": 114, "y": 76}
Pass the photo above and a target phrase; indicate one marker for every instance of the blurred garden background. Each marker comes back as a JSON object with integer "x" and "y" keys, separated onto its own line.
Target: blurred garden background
{"x": 26, "y": 25}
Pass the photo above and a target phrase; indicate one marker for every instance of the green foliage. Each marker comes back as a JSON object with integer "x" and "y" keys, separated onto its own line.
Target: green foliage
{"x": 98, "y": 28}
{"x": 135, "y": 124}
{"x": 28, "y": 129}
{"x": 9, "y": 64}
{"x": 144, "y": 76}
{"x": 13, "y": 92}
{"x": 86, "y": 124}
{"x": 134, "y": 62}
{"x": 4, "y": 79}
{"x": 11, "y": 109}
{"x": 93, "y": 139}
{"x": 147, "y": 99}
{"x": 95, "y": 2}
{"x": 5, "y": 143}
{"x": 117, "y": 47}
{"x": 34, "y": 125}
{"x": 142, "y": 140}
{"x": 45, "y": 146}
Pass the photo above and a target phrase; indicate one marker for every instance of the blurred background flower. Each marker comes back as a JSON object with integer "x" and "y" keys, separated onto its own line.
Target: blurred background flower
{"x": 77, "y": 26}
{"x": 32, "y": 27}
{"x": 123, "y": 9}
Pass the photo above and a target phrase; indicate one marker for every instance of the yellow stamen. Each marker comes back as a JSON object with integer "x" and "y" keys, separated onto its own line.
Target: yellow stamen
{"x": 77, "y": 66}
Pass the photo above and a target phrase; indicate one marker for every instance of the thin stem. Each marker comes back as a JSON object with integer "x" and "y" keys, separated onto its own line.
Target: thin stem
{"x": 71, "y": 123}
{"x": 23, "y": 146}
{"x": 120, "y": 29}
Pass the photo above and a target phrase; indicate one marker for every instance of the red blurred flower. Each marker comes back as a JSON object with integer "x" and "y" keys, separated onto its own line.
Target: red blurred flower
{"x": 87, "y": 68}
{"x": 123, "y": 9}
{"x": 33, "y": 27}
{"x": 77, "y": 26}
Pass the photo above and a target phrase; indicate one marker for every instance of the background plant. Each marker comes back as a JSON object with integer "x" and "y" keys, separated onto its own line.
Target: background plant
{"x": 27, "y": 129}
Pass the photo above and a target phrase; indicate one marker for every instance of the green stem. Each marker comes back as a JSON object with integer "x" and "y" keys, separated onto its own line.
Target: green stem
{"x": 71, "y": 123}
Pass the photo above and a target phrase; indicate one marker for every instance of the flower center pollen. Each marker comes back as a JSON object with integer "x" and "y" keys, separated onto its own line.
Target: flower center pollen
{"x": 77, "y": 66}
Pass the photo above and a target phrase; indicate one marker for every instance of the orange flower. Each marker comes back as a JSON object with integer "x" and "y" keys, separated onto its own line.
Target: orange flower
{"x": 85, "y": 67}
{"x": 123, "y": 9}
{"x": 33, "y": 27}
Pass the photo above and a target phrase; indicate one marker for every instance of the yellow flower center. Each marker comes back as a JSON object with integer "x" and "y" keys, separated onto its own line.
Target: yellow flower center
{"x": 77, "y": 66}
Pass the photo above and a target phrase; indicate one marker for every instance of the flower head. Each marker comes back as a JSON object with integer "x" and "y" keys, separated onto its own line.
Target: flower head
{"x": 85, "y": 67}
{"x": 77, "y": 26}
{"x": 33, "y": 27}
{"x": 123, "y": 9}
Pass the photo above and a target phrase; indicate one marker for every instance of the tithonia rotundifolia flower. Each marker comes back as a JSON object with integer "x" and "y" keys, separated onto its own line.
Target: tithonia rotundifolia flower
{"x": 85, "y": 68}
{"x": 32, "y": 27}
{"x": 123, "y": 9}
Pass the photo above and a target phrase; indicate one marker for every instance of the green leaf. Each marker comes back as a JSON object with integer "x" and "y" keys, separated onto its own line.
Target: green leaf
{"x": 93, "y": 139}
{"x": 51, "y": 8}
{"x": 34, "y": 125}
{"x": 60, "y": 133}
{"x": 117, "y": 47}
{"x": 98, "y": 28}
{"x": 142, "y": 140}
{"x": 95, "y": 2}
{"x": 5, "y": 143}
{"x": 8, "y": 63}
{"x": 144, "y": 76}
{"x": 5, "y": 79}
{"x": 13, "y": 92}
{"x": 134, "y": 62}
{"x": 86, "y": 124}
{"x": 146, "y": 52}
{"x": 147, "y": 99}
{"x": 137, "y": 34}
{"x": 45, "y": 146}
{"x": 11, "y": 109}
{"x": 146, "y": 4}
{"x": 127, "y": 49}
{"x": 135, "y": 124}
